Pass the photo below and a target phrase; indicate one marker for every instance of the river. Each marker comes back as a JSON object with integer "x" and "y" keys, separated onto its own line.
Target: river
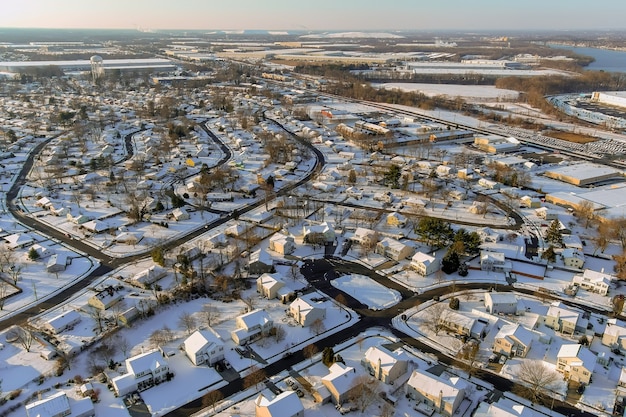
{"x": 605, "y": 59}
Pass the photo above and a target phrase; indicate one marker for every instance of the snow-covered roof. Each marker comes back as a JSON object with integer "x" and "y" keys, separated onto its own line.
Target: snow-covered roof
{"x": 261, "y": 256}
{"x": 55, "y": 405}
{"x": 199, "y": 339}
{"x": 517, "y": 332}
{"x": 435, "y": 386}
{"x": 341, "y": 377}
{"x": 586, "y": 358}
{"x": 255, "y": 318}
{"x": 270, "y": 280}
{"x": 285, "y": 404}
{"x": 563, "y": 313}
{"x": 505, "y": 408}
{"x": 64, "y": 319}
{"x": 501, "y": 297}
{"x": 148, "y": 361}
{"x": 387, "y": 359}
{"x": 423, "y": 258}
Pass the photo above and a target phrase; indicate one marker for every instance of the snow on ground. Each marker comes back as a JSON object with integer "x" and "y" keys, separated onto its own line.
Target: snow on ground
{"x": 367, "y": 291}
{"x": 453, "y": 90}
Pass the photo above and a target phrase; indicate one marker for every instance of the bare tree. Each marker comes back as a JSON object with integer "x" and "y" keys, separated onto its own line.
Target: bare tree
{"x": 210, "y": 314}
{"x": 158, "y": 338}
{"x": 309, "y": 351}
{"x": 255, "y": 377}
{"x": 22, "y": 336}
{"x": 211, "y": 398}
{"x": 364, "y": 391}
{"x": 387, "y": 410}
{"x": 317, "y": 327}
{"x": 98, "y": 316}
{"x": 4, "y": 292}
{"x": 537, "y": 378}
{"x": 434, "y": 317}
{"x": 187, "y": 321}
{"x": 279, "y": 333}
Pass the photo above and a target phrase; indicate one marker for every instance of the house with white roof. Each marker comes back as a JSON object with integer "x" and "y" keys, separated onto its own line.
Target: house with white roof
{"x": 63, "y": 321}
{"x": 237, "y": 229}
{"x": 42, "y": 251}
{"x": 573, "y": 258}
{"x": 57, "y": 263}
{"x": 593, "y": 281}
{"x": 576, "y": 362}
{"x": 564, "y": 320}
{"x": 58, "y": 404}
{"x": 494, "y": 261}
{"x": 260, "y": 262}
{"x": 384, "y": 365}
{"x": 305, "y": 311}
{"x": 282, "y": 244}
{"x": 488, "y": 235}
{"x": 149, "y": 276}
{"x": 394, "y": 249}
{"x": 396, "y": 219}
{"x": 443, "y": 394}
{"x": 285, "y": 404}
{"x": 530, "y": 202}
{"x": 505, "y": 407}
{"x": 461, "y": 324}
{"x": 105, "y": 298}
{"x": 501, "y": 303}
{"x": 572, "y": 242}
{"x": 204, "y": 346}
{"x": 424, "y": 263}
{"x": 18, "y": 240}
{"x": 180, "y": 214}
{"x": 250, "y": 326}
{"x": 268, "y": 285}
{"x": 318, "y": 233}
{"x": 513, "y": 340}
{"x": 365, "y": 237}
{"x": 614, "y": 335}
{"x": 340, "y": 382}
{"x": 142, "y": 372}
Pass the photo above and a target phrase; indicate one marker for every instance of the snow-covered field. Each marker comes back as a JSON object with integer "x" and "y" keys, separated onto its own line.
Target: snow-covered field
{"x": 453, "y": 90}
{"x": 367, "y": 291}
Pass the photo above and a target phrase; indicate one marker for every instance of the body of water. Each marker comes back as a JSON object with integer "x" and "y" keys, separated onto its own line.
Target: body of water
{"x": 605, "y": 59}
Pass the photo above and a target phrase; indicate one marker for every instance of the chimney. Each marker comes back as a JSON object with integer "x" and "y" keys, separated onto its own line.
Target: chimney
{"x": 380, "y": 369}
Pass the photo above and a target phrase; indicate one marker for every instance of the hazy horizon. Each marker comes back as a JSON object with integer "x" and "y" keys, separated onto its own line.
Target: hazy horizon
{"x": 321, "y": 15}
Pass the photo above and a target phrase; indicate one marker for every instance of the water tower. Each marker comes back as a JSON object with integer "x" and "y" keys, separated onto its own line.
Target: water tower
{"x": 97, "y": 67}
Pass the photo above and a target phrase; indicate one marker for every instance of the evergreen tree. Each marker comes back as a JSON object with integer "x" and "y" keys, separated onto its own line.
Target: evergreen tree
{"x": 33, "y": 255}
{"x": 328, "y": 356}
{"x": 454, "y": 304}
{"x": 450, "y": 262}
{"x": 549, "y": 254}
{"x": 392, "y": 176}
{"x": 554, "y": 234}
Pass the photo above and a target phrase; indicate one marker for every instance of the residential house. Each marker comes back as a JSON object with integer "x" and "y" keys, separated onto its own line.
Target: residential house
{"x": 142, "y": 372}
{"x": 393, "y": 249}
{"x": 57, "y": 263}
{"x": 384, "y": 365}
{"x": 106, "y": 298}
{"x": 572, "y": 242}
{"x": 563, "y": 320}
{"x": 180, "y": 214}
{"x": 282, "y": 244}
{"x": 218, "y": 240}
{"x": 576, "y": 362}
{"x": 494, "y": 261}
{"x": 443, "y": 394}
{"x": 365, "y": 237}
{"x": 506, "y": 407}
{"x": 513, "y": 340}
{"x": 42, "y": 251}
{"x": 340, "y": 382}
{"x": 149, "y": 276}
{"x": 488, "y": 235}
{"x": 414, "y": 203}
{"x": 462, "y": 324}
{"x": 530, "y": 202}
{"x": 354, "y": 193}
{"x": 251, "y": 325}
{"x": 18, "y": 240}
{"x": 238, "y": 229}
{"x": 63, "y": 321}
{"x": 305, "y": 310}
{"x": 501, "y": 303}
{"x": 546, "y": 214}
{"x": 424, "y": 264}
{"x": 260, "y": 262}
{"x": 58, "y": 405}
{"x": 204, "y": 346}
{"x": 396, "y": 219}
{"x": 593, "y": 281}
{"x": 488, "y": 184}
{"x": 383, "y": 197}
{"x": 614, "y": 335}
{"x": 268, "y": 285}
{"x": 318, "y": 233}
{"x": 285, "y": 404}
{"x": 573, "y": 258}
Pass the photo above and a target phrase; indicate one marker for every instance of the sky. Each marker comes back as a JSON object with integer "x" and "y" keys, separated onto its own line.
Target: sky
{"x": 322, "y": 15}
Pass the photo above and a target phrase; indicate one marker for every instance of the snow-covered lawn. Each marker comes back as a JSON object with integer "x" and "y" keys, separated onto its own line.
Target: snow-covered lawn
{"x": 453, "y": 90}
{"x": 367, "y": 291}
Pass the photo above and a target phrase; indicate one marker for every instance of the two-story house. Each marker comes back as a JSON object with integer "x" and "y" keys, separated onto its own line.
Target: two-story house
{"x": 394, "y": 249}
{"x": 443, "y": 394}
{"x": 142, "y": 372}
{"x": 251, "y": 325}
{"x": 204, "y": 346}
{"x": 593, "y": 281}
{"x": 306, "y": 311}
{"x": 384, "y": 365}
{"x": 576, "y": 363}
{"x": 501, "y": 303}
{"x": 424, "y": 264}
{"x": 513, "y": 340}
